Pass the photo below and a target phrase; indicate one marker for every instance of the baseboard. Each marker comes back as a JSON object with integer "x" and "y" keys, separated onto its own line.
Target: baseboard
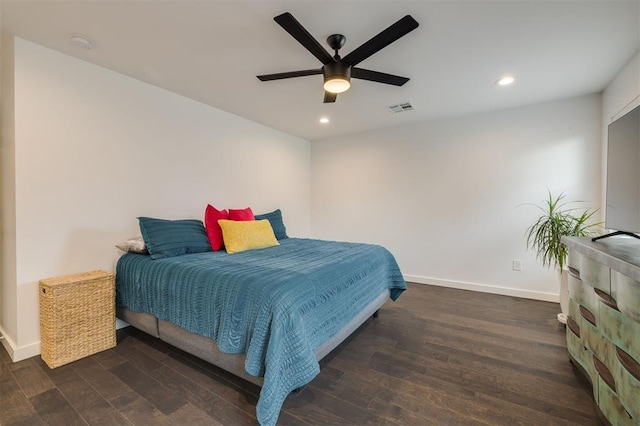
{"x": 121, "y": 324}
{"x": 19, "y": 353}
{"x": 23, "y": 352}
{"x": 484, "y": 288}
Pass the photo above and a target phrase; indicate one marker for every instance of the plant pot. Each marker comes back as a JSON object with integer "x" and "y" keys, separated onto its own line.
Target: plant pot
{"x": 564, "y": 295}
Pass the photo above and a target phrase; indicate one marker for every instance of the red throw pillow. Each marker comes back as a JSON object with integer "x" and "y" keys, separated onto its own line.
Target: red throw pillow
{"x": 214, "y": 232}
{"x": 244, "y": 214}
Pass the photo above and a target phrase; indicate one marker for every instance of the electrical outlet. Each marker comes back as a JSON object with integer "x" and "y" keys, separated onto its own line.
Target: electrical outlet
{"x": 516, "y": 265}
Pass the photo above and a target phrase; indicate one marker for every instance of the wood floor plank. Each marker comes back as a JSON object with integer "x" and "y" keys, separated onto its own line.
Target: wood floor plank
{"x": 107, "y": 384}
{"x": 311, "y": 413}
{"x": 109, "y": 358}
{"x": 456, "y": 391}
{"x": 288, "y": 419}
{"x": 153, "y": 347}
{"x": 139, "y": 411}
{"x": 391, "y": 413}
{"x": 204, "y": 399}
{"x": 15, "y": 407}
{"x": 88, "y": 402}
{"x": 149, "y": 388}
{"x": 54, "y": 409}
{"x": 139, "y": 358}
{"x": 31, "y": 378}
{"x": 330, "y": 383}
{"x": 5, "y": 359}
{"x": 437, "y": 400}
{"x": 193, "y": 416}
{"x": 485, "y": 378}
{"x": 344, "y": 409}
{"x": 244, "y": 397}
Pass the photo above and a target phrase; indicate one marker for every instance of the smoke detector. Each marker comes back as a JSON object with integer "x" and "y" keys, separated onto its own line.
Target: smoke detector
{"x": 81, "y": 41}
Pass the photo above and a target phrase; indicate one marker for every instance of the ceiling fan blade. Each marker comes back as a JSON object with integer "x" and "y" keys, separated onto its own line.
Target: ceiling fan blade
{"x": 329, "y": 97}
{"x": 382, "y": 40}
{"x": 297, "y": 31}
{"x": 378, "y": 77}
{"x": 290, "y": 74}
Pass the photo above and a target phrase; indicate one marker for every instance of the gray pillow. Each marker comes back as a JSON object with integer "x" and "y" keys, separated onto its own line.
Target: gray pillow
{"x": 133, "y": 245}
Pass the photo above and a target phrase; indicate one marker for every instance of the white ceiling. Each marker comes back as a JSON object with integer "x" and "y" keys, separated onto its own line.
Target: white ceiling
{"x": 211, "y": 51}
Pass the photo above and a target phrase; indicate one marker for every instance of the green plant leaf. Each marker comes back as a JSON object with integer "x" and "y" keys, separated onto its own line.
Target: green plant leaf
{"x": 544, "y": 236}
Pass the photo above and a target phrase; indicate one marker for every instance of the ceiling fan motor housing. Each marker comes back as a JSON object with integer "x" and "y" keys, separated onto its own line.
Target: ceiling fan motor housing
{"x": 336, "y": 69}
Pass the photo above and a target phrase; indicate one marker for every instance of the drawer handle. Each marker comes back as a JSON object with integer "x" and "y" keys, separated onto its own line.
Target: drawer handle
{"x": 607, "y": 300}
{"x": 573, "y": 326}
{"x": 586, "y": 314}
{"x": 574, "y": 272}
{"x": 604, "y": 373}
{"x": 628, "y": 363}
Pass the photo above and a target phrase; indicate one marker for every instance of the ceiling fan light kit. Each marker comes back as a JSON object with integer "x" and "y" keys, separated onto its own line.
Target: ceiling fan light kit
{"x": 337, "y": 77}
{"x": 337, "y": 71}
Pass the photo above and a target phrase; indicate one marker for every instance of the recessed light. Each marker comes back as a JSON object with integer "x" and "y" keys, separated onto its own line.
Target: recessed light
{"x": 81, "y": 41}
{"x": 324, "y": 120}
{"x": 505, "y": 81}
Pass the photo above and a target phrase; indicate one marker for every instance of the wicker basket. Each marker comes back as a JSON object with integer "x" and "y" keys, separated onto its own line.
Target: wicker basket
{"x": 77, "y": 316}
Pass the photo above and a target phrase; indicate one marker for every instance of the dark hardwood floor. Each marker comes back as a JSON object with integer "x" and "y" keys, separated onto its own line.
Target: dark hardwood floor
{"x": 436, "y": 356}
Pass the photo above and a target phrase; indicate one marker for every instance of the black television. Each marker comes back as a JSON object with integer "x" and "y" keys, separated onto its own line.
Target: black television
{"x": 623, "y": 176}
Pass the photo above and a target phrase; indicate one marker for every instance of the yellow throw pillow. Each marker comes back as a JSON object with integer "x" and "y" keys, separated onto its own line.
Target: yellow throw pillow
{"x": 247, "y": 235}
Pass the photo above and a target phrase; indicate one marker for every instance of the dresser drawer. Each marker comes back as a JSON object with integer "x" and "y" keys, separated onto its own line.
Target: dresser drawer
{"x": 599, "y": 345}
{"x": 576, "y": 316}
{"x": 583, "y": 294}
{"x": 574, "y": 310}
{"x": 621, "y": 331}
{"x": 595, "y": 274}
{"x": 581, "y": 354}
{"x": 627, "y": 377}
{"x": 626, "y": 291}
{"x": 573, "y": 260}
{"x": 611, "y": 406}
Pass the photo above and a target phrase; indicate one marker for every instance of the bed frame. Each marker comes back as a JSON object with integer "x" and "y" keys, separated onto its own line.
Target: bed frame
{"x": 206, "y": 348}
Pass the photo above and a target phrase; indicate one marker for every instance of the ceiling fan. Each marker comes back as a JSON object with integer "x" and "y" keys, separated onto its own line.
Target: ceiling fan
{"x": 338, "y": 71}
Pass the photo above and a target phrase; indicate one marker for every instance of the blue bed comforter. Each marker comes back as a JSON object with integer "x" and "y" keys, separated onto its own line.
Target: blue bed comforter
{"x": 276, "y": 304}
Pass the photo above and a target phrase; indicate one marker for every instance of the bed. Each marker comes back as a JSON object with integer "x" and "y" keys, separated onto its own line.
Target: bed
{"x": 266, "y": 315}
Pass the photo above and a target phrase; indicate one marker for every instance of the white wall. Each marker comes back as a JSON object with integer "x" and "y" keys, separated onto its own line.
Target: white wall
{"x": 95, "y": 149}
{"x": 622, "y": 94}
{"x": 8, "y": 291}
{"x": 446, "y": 197}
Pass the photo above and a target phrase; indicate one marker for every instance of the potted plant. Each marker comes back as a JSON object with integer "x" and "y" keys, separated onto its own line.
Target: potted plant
{"x": 545, "y": 235}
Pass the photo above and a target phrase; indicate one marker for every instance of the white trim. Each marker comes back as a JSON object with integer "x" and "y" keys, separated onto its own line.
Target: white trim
{"x": 23, "y": 352}
{"x": 121, "y": 324}
{"x": 19, "y": 353}
{"x": 484, "y": 288}
{"x": 625, "y": 109}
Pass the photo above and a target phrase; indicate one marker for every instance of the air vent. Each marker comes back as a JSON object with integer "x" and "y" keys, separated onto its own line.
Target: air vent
{"x": 404, "y": 106}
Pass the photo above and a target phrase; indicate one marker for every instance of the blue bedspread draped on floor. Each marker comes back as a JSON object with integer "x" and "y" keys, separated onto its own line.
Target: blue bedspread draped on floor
{"x": 276, "y": 305}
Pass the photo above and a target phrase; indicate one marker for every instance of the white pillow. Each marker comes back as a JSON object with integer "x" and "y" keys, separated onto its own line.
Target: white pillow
{"x": 134, "y": 245}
